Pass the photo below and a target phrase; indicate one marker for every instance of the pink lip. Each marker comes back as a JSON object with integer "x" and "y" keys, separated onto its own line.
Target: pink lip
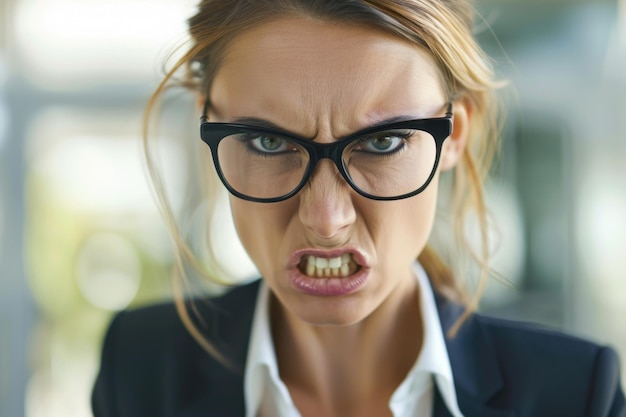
{"x": 328, "y": 286}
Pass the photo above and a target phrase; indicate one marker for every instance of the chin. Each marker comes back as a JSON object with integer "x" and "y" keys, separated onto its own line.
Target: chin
{"x": 329, "y": 311}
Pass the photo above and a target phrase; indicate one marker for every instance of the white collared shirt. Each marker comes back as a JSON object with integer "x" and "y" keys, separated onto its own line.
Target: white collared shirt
{"x": 266, "y": 395}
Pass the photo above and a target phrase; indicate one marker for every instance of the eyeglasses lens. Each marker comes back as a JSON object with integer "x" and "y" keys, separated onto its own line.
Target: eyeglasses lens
{"x": 386, "y": 164}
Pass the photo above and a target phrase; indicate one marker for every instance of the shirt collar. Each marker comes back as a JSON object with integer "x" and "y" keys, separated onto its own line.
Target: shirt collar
{"x": 261, "y": 364}
{"x": 433, "y": 360}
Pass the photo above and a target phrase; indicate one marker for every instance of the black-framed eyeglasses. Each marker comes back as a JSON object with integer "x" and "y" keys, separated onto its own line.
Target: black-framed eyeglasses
{"x": 386, "y": 162}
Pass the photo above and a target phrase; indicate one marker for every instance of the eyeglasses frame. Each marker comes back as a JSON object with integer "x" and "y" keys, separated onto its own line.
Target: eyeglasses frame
{"x": 212, "y": 133}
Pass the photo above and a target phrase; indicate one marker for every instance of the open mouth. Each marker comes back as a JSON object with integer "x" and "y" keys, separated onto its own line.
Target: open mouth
{"x": 337, "y": 267}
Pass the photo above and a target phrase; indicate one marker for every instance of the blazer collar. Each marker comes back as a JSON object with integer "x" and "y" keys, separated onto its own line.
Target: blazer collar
{"x": 220, "y": 391}
{"x": 477, "y": 376}
{"x": 473, "y": 358}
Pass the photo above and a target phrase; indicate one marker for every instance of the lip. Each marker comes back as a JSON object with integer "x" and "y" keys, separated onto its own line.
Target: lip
{"x": 328, "y": 287}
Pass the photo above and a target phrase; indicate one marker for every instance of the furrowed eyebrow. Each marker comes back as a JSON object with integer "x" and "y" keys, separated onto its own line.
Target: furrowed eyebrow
{"x": 391, "y": 120}
{"x": 256, "y": 122}
{"x": 266, "y": 124}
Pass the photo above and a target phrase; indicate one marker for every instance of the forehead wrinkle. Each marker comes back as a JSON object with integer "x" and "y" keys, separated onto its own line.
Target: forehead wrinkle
{"x": 363, "y": 99}
{"x": 410, "y": 97}
{"x": 328, "y": 94}
{"x": 329, "y": 107}
{"x": 338, "y": 105}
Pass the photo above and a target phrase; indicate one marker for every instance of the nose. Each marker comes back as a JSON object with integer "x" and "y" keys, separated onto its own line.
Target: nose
{"x": 326, "y": 206}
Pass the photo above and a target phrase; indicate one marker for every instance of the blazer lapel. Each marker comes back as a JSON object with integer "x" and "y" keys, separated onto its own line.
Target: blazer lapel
{"x": 476, "y": 373}
{"x": 472, "y": 358}
{"x": 221, "y": 391}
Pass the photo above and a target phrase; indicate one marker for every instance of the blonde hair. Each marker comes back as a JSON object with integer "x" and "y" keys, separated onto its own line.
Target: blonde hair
{"x": 442, "y": 27}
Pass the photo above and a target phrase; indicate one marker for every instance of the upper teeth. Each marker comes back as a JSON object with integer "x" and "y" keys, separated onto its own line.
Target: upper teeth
{"x": 328, "y": 267}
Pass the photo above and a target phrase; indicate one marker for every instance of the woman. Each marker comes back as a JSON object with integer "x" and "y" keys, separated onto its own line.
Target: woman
{"x": 330, "y": 122}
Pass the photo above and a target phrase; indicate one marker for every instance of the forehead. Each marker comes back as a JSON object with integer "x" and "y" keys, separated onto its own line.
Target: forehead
{"x": 315, "y": 74}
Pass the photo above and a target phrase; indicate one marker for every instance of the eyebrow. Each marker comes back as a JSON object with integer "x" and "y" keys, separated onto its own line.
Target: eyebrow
{"x": 266, "y": 124}
{"x": 256, "y": 122}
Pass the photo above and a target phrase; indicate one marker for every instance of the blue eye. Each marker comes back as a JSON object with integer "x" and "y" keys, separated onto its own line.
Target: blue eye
{"x": 384, "y": 143}
{"x": 269, "y": 144}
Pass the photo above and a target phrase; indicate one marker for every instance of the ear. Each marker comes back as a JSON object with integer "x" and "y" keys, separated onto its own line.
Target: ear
{"x": 454, "y": 146}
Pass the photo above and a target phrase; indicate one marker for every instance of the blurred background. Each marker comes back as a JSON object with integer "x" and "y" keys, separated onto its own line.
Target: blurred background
{"x": 80, "y": 237}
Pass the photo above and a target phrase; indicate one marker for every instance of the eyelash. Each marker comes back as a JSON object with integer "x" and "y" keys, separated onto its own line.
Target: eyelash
{"x": 246, "y": 140}
{"x": 403, "y": 137}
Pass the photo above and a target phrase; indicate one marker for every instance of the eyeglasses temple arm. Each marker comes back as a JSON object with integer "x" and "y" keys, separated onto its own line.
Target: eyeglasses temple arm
{"x": 449, "y": 109}
{"x": 204, "y": 118}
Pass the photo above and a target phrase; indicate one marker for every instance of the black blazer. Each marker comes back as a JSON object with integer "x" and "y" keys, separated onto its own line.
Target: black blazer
{"x": 152, "y": 367}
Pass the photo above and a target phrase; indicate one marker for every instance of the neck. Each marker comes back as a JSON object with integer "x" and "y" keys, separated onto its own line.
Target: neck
{"x": 344, "y": 366}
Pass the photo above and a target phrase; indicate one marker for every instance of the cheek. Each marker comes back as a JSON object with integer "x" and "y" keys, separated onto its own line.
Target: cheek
{"x": 249, "y": 225}
{"x": 261, "y": 228}
{"x": 411, "y": 221}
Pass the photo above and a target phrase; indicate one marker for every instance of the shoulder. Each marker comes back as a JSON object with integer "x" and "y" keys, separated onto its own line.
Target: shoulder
{"x": 522, "y": 338}
{"x": 157, "y": 328}
{"x": 521, "y": 347}
{"x": 544, "y": 345}
{"x": 151, "y": 364}
{"x": 527, "y": 368}
{"x": 554, "y": 368}
{"x": 155, "y": 319}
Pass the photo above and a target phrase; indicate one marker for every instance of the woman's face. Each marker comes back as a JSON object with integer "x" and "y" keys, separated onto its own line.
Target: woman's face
{"x": 325, "y": 81}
